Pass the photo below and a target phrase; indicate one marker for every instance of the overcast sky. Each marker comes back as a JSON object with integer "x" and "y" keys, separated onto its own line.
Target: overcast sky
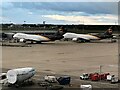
{"x": 60, "y": 12}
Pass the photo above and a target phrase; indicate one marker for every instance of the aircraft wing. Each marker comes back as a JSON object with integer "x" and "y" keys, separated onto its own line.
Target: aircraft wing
{"x": 83, "y": 37}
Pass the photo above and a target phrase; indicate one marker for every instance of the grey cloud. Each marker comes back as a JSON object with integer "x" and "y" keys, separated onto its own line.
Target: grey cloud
{"x": 87, "y": 7}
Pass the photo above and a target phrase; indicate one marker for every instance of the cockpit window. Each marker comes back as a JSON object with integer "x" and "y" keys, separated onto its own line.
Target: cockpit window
{"x": 3, "y": 77}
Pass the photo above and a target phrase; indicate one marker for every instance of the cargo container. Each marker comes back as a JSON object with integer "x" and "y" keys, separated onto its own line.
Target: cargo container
{"x": 64, "y": 80}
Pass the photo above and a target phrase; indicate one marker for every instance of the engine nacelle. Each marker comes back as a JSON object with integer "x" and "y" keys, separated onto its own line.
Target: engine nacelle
{"x": 20, "y": 75}
{"x": 75, "y": 39}
{"x": 22, "y": 41}
{"x": 80, "y": 40}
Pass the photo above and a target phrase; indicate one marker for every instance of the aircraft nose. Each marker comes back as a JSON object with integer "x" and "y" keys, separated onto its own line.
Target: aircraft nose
{"x": 14, "y": 36}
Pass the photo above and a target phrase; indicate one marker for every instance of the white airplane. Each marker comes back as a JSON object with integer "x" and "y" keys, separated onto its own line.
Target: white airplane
{"x": 88, "y": 37}
{"x": 18, "y": 76}
{"x": 22, "y": 37}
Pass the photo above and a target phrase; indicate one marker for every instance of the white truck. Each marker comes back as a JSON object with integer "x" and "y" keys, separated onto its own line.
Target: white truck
{"x": 112, "y": 78}
{"x": 50, "y": 78}
{"x": 86, "y": 87}
{"x": 85, "y": 76}
{"x": 3, "y": 78}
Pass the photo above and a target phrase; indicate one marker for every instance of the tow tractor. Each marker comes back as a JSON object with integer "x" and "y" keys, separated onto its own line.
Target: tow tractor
{"x": 112, "y": 78}
{"x": 85, "y": 76}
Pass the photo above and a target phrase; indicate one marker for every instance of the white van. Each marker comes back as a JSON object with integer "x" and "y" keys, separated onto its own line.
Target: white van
{"x": 3, "y": 78}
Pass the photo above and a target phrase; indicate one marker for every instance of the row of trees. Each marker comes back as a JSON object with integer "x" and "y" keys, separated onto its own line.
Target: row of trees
{"x": 70, "y": 28}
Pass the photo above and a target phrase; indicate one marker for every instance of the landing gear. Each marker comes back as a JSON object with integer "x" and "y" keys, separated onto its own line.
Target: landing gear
{"x": 15, "y": 40}
{"x": 113, "y": 40}
{"x": 24, "y": 84}
{"x": 38, "y": 42}
{"x": 31, "y": 42}
{"x": 13, "y": 85}
{"x": 17, "y": 86}
{"x": 83, "y": 41}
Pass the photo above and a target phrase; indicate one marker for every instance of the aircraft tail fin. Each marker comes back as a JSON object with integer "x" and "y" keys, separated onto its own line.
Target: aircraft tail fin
{"x": 62, "y": 30}
{"x": 107, "y": 34}
{"x": 59, "y": 34}
{"x": 109, "y": 31}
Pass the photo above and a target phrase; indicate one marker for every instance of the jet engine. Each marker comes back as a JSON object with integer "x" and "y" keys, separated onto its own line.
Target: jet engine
{"x": 75, "y": 39}
{"x": 80, "y": 40}
{"x": 20, "y": 75}
{"x": 22, "y": 40}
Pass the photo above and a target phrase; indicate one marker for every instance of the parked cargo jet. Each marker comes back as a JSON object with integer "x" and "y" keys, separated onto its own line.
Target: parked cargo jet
{"x": 88, "y": 37}
{"x": 22, "y": 37}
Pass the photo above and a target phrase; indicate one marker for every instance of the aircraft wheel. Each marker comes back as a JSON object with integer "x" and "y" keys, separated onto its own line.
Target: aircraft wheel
{"x": 17, "y": 86}
{"x": 17, "y": 41}
{"x": 31, "y": 42}
{"x": 113, "y": 41}
{"x": 9, "y": 85}
{"x": 38, "y": 42}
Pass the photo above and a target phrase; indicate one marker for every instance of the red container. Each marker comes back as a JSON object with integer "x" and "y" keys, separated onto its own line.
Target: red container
{"x": 102, "y": 76}
{"x": 95, "y": 77}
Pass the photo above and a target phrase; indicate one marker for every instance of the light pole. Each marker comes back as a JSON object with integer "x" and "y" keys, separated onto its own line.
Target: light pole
{"x": 24, "y": 22}
{"x": 100, "y": 70}
{"x": 24, "y": 25}
{"x": 10, "y": 22}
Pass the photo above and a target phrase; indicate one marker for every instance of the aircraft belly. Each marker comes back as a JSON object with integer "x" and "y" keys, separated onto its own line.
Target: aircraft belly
{"x": 38, "y": 38}
{"x": 91, "y": 37}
